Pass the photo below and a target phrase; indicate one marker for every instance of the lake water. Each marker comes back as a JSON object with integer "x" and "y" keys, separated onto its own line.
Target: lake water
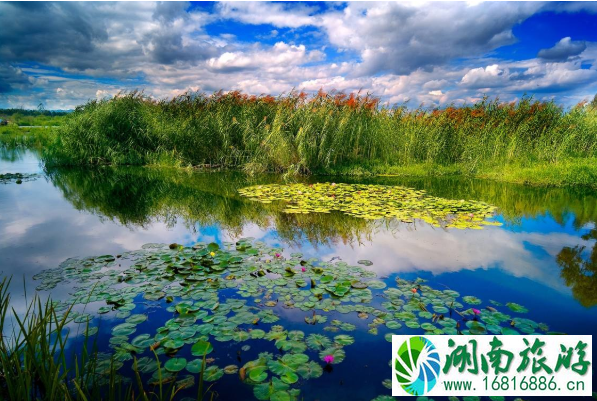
{"x": 541, "y": 257}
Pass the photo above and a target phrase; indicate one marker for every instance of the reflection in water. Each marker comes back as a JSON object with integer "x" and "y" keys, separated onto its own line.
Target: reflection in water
{"x": 139, "y": 197}
{"x": 581, "y": 274}
{"x": 11, "y": 154}
{"x": 515, "y": 202}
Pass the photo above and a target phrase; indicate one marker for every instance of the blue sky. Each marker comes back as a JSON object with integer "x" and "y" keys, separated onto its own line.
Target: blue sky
{"x": 435, "y": 54}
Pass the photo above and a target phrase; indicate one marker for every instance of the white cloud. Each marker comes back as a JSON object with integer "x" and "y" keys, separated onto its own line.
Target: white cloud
{"x": 277, "y": 14}
{"x": 563, "y": 50}
{"x": 490, "y": 76}
{"x": 431, "y": 54}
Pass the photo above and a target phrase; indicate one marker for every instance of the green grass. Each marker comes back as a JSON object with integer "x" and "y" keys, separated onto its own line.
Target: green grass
{"x": 32, "y": 117}
{"x": 14, "y": 137}
{"x": 35, "y": 365}
{"x": 333, "y": 134}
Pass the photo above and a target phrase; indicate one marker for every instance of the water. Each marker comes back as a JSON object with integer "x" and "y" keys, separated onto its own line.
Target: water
{"x": 542, "y": 256}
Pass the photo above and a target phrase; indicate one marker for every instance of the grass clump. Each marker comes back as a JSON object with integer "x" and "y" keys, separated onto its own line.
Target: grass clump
{"x": 325, "y": 133}
{"x": 38, "y": 118}
{"x": 35, "y": 138}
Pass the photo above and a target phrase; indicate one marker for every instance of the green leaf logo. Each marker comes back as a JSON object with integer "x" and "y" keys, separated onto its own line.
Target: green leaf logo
{"x": 417, "y": 366}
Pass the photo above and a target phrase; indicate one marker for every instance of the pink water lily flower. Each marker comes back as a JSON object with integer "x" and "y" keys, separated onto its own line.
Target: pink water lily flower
{"x": 303, "y": 269}
{"x": 277, "y": 255}
{"x": 328, "y": 358}
{"x": 476, "y": 311}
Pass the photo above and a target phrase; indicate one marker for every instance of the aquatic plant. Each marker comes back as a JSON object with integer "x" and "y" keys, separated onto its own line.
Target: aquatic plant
{"x": 329, "y": 132}
{"x": 17, "y": 178}
{"x": 187, "y": 281}
{"x": 35, "y": 364}
{"x": 33, "y": 138}
{"x": 374, "y": 202}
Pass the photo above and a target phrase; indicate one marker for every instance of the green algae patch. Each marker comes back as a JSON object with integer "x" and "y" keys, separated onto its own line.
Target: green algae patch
{"x": 375, "y": 202}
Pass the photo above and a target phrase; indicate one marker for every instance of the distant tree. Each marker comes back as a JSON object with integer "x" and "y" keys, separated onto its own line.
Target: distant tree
{"x": 40, "y": 107}
{"x": 594, "y": 102}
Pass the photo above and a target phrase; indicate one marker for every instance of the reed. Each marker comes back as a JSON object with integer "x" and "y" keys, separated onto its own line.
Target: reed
{"x": 323, "y": 133}
{"x": 35, "y": 364}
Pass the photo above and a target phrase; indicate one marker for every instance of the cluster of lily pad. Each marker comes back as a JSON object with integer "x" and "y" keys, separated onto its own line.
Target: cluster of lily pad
{"x": 375, "y": 202}
{"x": 17, "y": 178}
{"x": 233, "y": 293}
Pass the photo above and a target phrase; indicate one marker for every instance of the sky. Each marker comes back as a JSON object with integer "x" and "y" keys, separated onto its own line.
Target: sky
{"x": 62, "y": 54}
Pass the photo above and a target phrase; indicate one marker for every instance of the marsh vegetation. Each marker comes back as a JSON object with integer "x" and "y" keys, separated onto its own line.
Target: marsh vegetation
{"x": 333, "y": 133}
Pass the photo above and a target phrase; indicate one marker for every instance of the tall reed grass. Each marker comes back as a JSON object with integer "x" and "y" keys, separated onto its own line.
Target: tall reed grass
{"x": 320, "y": 133}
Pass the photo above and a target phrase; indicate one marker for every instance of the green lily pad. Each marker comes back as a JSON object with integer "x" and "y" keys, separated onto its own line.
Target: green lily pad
{"x": 514, "y": 307}
{"x": 201, "y": 348}
{"x": 289, "y": 377}
{"x": 318, "y": 342}
{"x": 194, "y": 366}
{"x": 344, "y": 339}
{"x": 258, "y": 374}
{"x": 175, "y": 364}
{"x": 212, "y": 373}
{"x": 471, "y": 300}
{"x": 265, "y": 391}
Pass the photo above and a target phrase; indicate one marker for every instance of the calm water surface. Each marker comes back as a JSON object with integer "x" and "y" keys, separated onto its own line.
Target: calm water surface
{"x": 542, "y": 256}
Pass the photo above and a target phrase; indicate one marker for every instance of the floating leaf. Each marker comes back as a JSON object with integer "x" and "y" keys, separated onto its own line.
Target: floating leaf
{"x": 318, "y": 341}
{"x": 175, "y": 364}
{"x": 265, "y": 391}
{"x": 230, "y": 369}
{"x": 344, "y": 339}
{"x": 212, "y": 373}
{"x": 194, "y": 366}
{"x": 289, "y": 377}
{"x": 514, "y": 307}
{"x": 201, "y": 348}
{"x": 471, "y": 300}
{"x": 258, "y": 374}
{"x": 374, "y": 202}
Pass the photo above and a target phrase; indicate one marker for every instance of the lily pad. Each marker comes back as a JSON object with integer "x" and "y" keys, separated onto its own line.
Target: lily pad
{"x": 258, "y": 374}
{"x": 175, "y": 364}
{"x": 344, "y": 339}
{"x": 201, "y": 348}
{"x": 212, "y": 373}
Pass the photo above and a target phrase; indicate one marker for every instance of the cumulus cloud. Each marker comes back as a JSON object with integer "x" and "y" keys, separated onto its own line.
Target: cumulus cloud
{"x": 12, "y": 78}
{"x": 114, "y": 39}
{"x": 563, "y": 50}
{"x": 63, "y": 54}
{"x": 490, "y": 76}
{"x": 281, "y": 54}
{"x": 279, "y": 15}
